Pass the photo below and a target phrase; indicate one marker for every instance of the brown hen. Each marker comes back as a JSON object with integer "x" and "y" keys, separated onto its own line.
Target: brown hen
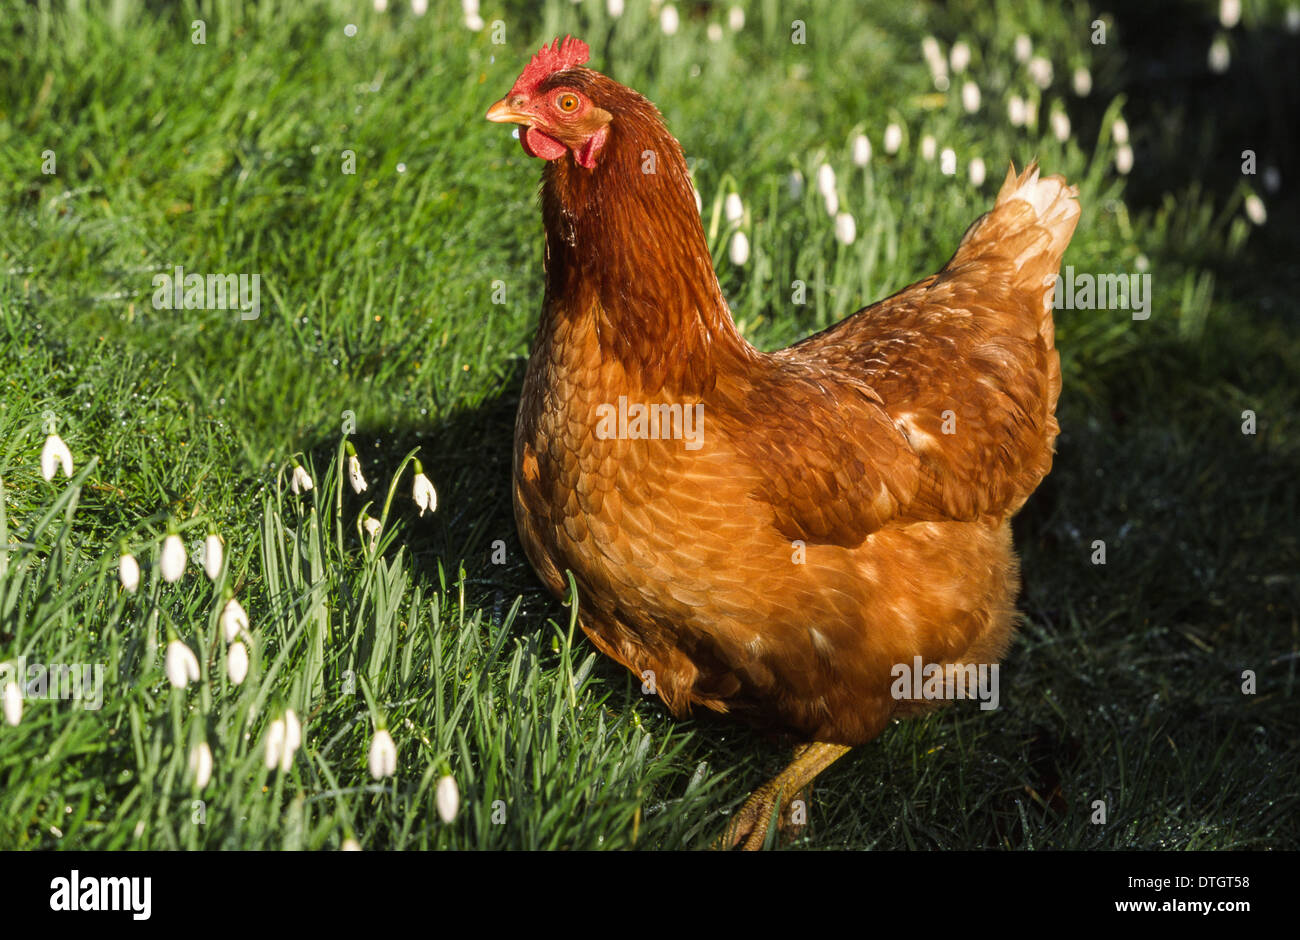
{"x": 771, "y": 535}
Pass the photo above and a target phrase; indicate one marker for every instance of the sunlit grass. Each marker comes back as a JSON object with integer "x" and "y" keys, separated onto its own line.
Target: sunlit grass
{"x": 379, "y": 325}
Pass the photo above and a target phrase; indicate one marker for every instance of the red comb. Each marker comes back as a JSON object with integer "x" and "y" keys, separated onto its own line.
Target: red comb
{"x": 553, "y": 58}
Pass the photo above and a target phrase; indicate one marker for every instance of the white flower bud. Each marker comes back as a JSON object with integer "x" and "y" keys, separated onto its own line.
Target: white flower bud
{"x": 893, "y": 138}
{"x": 213, "y": 556}
{"x": 201, "y": 764}
{"x": 181, "y": 665}
{"x": 739, "y": 249}
{"x": 846, "y": 229}
{"x": 1255, "y": 210}
{"x": 861, "y": 150}
{"x": 1082, "y": 82}
{"x": 234, "y": 620}
{"x": 970, "y": 97}
{"x": 976, "y": 171}
{"x": 447, "y": 797}
{"x": 128, "y": 572}
{"x": 172, "y": 563}
{"x": 669, "y": 20}
{"x": 55, "y": 454}
{"x": 1040, "y": 70}
{"x": 959, "y": 57}
{"x": 237, "y": 662}
{"x": 13, "y": 703}
{"x": 948, "y": 162}
{"x": 1061, "y": 125}
{"x": 1024, "y": 48}
{"x": 383, "y": 755}
{"x": 734, "y": 208}
{"x": 1124, "y": 159}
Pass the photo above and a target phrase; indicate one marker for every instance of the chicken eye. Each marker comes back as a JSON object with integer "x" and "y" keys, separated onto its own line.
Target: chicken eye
{"x": 567, "y": 102}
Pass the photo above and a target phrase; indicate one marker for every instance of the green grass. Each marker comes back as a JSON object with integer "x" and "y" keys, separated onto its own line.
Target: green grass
{"x": 1125, "y": 684}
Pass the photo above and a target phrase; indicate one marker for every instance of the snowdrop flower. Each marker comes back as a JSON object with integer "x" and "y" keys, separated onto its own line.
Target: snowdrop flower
{"x": 1024, "y": 48}
{"x": 1119, "y": 131}
{"x": 172, "y": 563}
{"x": 301, "y": 481}
{"x": 425, "y": 496}
{"x": 1040, "y": 70}
{"x": 128, "y": 572}
{"x": 283, "y": 738}
{"x": 736, "y": 19}
{"x": 381, "y": 6}
{"x": 1124, "y": 159}
{"x": 352, "y": 845}
{"x": 714, "y": 32}
{"x": 795, "y": 183}
{"x": 976, "y": 171}
{"x": 928, "y": 147}
{"x": 292, "y": 735}
{"x": 735, "y": 209}
{"x": 935, "y": 60}
{"x": 447, "y": 797}
{"x": 832, "y": 201}
{"x": 893, "y": 138}
{"x": 474, "y": 23}
{"x": 182, "y": 666}
{"x": 615, "y": 8}
{"x": 1061, "y": 125}
{"x": 274, "y": 744}
{"x": 1017, "y": 111}
{"x": 237, "y": 662}
{"x": 825, "y": 179}
{"x": 948, "y": 162}
{"x": 213, "y": 555}
{"x": 959, "y": 57}
{"x": 234, "y": 620}
{"x": 930, "y": 49}
{"x": 1220, "y": 57}
{"x": 355, "y": 476}
{"x": 669, "y": 20}
{"x": 970, "y": 97}
{"x": 13, "y": 703}
{"x": 1082, "y": 81}
{"x": 861, "y": 150}
{"x": 739, "y": 249}
{"x": 201, "y": 764}
{"x": 1255, "y": 210}
{"x": 383, "y": 755}
{"x": 373, "y": 527}
{"x": 846, "y": 230}
{"x": 419, "y": 7}
{"x": 469, "y": 7}
{"x": 55, "y": 454}
{"x": 1229, "y": 13}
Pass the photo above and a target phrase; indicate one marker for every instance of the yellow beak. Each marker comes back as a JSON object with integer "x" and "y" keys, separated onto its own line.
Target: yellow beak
{"x": 503, "y": 113}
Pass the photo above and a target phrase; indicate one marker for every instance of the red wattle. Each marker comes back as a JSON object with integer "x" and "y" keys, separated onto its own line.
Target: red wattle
{"x": 537, "y": 144}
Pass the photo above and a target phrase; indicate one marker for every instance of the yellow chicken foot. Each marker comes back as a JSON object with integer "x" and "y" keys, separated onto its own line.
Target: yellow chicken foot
{"x": 749, "y": 827}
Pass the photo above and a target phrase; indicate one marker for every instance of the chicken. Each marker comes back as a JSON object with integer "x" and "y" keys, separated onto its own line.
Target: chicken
{"x": 771, "y": 535}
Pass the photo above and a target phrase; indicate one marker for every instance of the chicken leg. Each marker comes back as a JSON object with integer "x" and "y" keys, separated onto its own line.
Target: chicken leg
{"x": 749, "y": 828}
